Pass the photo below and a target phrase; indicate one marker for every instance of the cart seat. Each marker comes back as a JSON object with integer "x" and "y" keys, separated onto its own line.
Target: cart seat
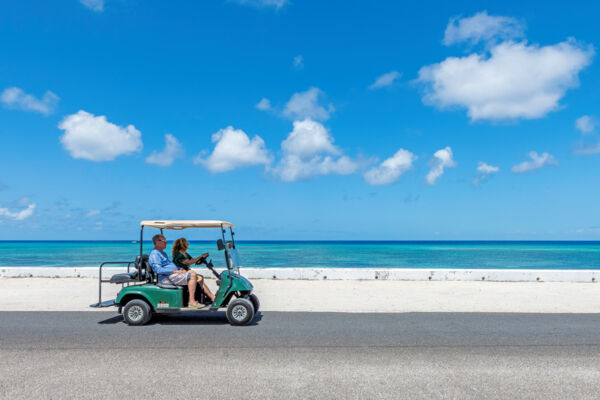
{"x": 143, "y": 266}
{"x": 125, "y": 277}
{"x": 166, "y": 285}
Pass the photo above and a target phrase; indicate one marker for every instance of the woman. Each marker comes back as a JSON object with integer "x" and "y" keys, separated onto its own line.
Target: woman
{"x": 183, "y": 260}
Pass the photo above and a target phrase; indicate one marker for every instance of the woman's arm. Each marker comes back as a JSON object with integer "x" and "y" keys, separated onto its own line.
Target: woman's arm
{"x": 191, "y": 261}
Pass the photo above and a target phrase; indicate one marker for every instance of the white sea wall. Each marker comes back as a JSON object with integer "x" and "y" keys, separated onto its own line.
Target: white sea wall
{"x": 391, "y": 274}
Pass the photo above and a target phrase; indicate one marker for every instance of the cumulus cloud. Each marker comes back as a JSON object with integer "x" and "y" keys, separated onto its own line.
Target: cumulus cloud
{"x": 308, "y": 151}
{"x": 391, "y": 169}
{"x": 482, "y": 27}
{"x": 18, "y": 215}
{"x": 441, "y": 160}
{"x": 308, "y": 138}
{"x": 387, "y": 79}
{"x": 536, "y": 161}
{"x": 264, "y": 104}
{"x": 306, "y": 105}
{"x": 509, "y": 80}
{"x": 94, "y": 5}
{"x": 94, "y": 138}
{"x": 277, "y": 4}
{"x": 298, "y": 62}
{"x": 515, "y": 80}
{"x": 586, "y": 124}
{"x": 15, "y": 97}
{"x": 484, "y": 170}
{"x": 234, "y": 149}
{"x": 172, "y": 150}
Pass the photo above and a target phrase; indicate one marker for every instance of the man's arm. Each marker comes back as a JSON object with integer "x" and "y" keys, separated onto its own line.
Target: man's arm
{"x": 158, "y": 268}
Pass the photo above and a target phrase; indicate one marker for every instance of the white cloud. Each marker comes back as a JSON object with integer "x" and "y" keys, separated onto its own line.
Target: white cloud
{"x": 584, "y": 148}
{"x": 537, "y": 161}
{"x": 94, "y": 5}
{"x": 173, "y": 149}
{"x": 95, "y": 139}
{"x": 264, "y": 104}
{"x": 234, "y": 149}
{"x": 391, "y": 169}
{"x": 20, "y": 215}
{"x": 293, "y": 168}
{"x": 298, "y": 62}
{"x": 92, "y": 213}
{"x": 482, "y": 27}
{"x": 485, "y": 170}
{"x": 586, "y": 124}
{"x": 263, "y": 3}
{"x": 15, "y": 97}
{"x": 387, "y": 79}
{"x": 308, "y": 151}
{"x": 515, "y": 80}
{"x": 309, "y": 138}
{"x": 441, "y": 160}
{"x": 306, "y": 105}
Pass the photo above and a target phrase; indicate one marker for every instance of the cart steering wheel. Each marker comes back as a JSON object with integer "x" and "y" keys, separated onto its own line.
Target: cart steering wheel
{"x": 202, "y": 260}
{"x": 210, "y": 266}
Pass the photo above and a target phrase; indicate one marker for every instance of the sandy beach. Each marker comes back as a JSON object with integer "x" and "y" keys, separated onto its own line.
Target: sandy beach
{"x": 353, "y": 296}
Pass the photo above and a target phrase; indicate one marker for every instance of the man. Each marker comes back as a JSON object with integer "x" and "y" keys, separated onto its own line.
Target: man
{"x": 168, "y": 272}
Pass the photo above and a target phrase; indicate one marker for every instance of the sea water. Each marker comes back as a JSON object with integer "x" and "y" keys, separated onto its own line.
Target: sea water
{"x": 319, "y": 254}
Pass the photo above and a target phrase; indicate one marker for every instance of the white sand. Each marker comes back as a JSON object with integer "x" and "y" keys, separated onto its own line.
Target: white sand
{"x": 76, "y": 294}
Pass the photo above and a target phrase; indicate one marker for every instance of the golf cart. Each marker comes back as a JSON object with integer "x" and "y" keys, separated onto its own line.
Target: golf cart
{"x": 142, "y": 295}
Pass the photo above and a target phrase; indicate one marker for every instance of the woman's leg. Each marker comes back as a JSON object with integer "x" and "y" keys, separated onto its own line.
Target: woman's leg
{"x": 192, "y": 287}
{"x": 210, "y": 295}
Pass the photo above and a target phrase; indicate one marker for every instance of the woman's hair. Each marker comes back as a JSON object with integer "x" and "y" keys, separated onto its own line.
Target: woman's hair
{"x": 180, "y": 244}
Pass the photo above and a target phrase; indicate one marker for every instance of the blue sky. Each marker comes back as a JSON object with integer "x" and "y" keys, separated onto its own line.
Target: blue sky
{"x": 300, "y": 119}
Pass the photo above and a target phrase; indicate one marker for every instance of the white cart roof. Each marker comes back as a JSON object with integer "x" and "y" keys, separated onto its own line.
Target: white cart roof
{"x": 183, "y": 224}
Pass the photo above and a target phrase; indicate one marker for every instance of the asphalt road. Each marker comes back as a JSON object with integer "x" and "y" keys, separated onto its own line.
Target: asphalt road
{"x": 94, "y": 355}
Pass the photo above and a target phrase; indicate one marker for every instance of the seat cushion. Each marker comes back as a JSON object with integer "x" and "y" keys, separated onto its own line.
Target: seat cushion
{"x": 124, "y": 278}
{"x": 166, "y": 285}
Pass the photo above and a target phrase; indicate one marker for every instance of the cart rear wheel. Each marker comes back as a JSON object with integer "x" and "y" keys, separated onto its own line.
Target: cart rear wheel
{"x": 255, "y": 302}
{"x": 137, "y": 312}
{"x": 240, "y": 312}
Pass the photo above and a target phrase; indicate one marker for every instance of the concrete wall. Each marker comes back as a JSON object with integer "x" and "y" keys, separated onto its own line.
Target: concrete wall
{"x": 407, "y": 274}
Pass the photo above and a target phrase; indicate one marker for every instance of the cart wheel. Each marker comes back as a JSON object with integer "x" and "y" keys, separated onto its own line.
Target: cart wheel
{"x": 255, "y": 302}
{"x": 137, "y": 312}
{"x": 240, "y": 312}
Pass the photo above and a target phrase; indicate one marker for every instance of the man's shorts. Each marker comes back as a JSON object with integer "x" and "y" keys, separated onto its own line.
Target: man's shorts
{"x": 178, "y": 279}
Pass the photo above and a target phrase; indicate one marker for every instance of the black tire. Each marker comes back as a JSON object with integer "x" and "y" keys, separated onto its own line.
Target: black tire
{"x": 240, "y": 312}
{"x": 137, "y": 312}
{"x": 255, "y": 302}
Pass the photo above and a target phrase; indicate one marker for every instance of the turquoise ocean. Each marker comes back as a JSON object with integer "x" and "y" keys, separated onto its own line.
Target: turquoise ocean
{"x": 329, "y": 254}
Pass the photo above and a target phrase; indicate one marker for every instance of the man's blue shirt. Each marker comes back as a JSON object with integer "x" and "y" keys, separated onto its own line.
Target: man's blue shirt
{"x": 161, "y": 265}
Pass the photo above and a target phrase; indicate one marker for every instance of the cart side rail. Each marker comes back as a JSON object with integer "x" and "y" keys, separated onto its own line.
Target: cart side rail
{"x": 100, "y": 280}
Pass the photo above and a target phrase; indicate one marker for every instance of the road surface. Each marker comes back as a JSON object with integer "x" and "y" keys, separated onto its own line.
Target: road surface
{"x": 94, "y": 355}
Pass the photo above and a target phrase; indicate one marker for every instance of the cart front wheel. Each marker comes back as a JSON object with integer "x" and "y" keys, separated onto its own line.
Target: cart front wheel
{"x": 240, "y": 312}
{"x": 137, "y": 312}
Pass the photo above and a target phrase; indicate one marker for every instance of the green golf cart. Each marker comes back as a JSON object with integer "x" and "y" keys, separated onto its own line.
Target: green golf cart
{"x": 142, "y": 295}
